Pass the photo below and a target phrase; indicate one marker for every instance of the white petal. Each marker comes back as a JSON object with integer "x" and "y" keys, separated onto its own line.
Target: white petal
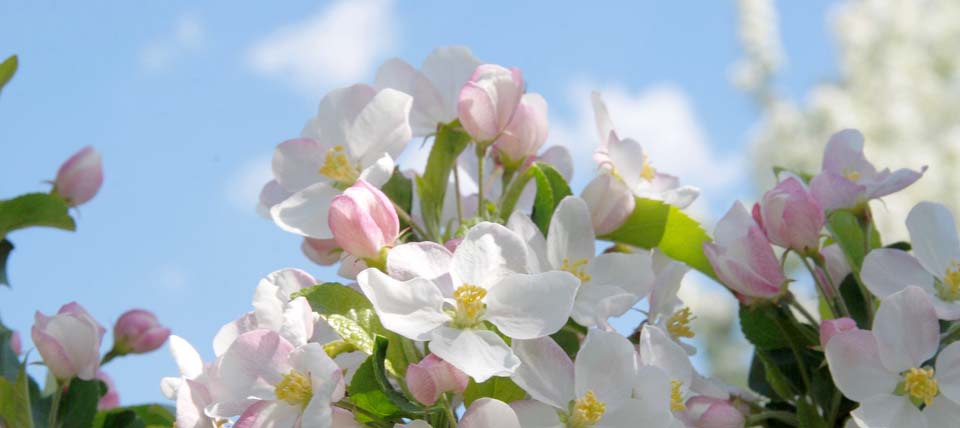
{"x": 305, "y": 213}
{"x": 289, "y": 281}
{"x": 948, "y": 371}
{"x": 381, "y": 127}
{"x": 560, "y": 159}
{"x": 489, "y": 413}
{"x": 545, "y": 372}
{"x": 428, "y": 260}
{"x": 941, "y": 413}
{"x": 478, "y": 353}
{"x": 186, "y": 357}
{"x": 570, "y": 236}
{"x": 889, "y": 411}
{"x": 856, "y": 367}
{"x": 606, "y": 365}
{"x": 379, "y": 171}
{"x": 597, "y": 303}
{"x": 536, "y": 243}
{"x": 949, "y": 311}
{"x": 296, "y": 163}
{"x": 318, "y": 413}
{"x": 230, "y": 331}
{"x": 652, "y": 391}
{"x": 169, "y": 387}
{"x": 907, "y": 329}
{"x": 411, "y": 308}
{"x": 487, "y": 254}
{"x": 628, "y": 413}
{"x": 659, "y": 350}
{"x": 298, "y": 321}
{"x": 602, "y": 118}
{"x": 534, "y": 414}
{"x": 663, "y": 296}
{"x": 933, "y": 234}
{"x": 628, "y": 159}
{"x": 449, "y": 68}
{"x": 427, "y": 109}
{"x": 530, "y": 306}
{"x": 268, "y": 306}
{"x": 887, "y": 271}
{"x": 631, "y": 272}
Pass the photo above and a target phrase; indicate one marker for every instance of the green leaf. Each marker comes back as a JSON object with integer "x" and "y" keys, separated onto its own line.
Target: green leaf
{"x": 35, "y": 209}
{"x": 15, "y": 408}
{"x": 400, "y": 190}
{"x": 9, "y": 361}
{"x": 6, "y": 247}
{"x": 775, "y": 365}
{"x": 500, "y": 388}
{"x": 7, "y": 68}
{"x": 450, "y": 141}
{"x": 380, "y": 374}
{"x": 848, "y": 233}
{"x": 767, "y": 326}
{"x": 551, "y": 189}
{"x": 808, "y": 416}
{"x": 365, "y": 392}
{"x": 656, "y": 224}
{"x": 856, "y": 303}
{"x": 79, "y": 405}
{"x": 333, "y": 298}
{"x": 141, "y": 416}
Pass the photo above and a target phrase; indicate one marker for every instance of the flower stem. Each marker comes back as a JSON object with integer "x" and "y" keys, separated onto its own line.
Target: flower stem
{"x": 405, "y": 216}
{"x": 779, "y": 415}
{"x": 481, "y": 153}
{"x": 456, "y": 190}
{"x": 55, "y": 405}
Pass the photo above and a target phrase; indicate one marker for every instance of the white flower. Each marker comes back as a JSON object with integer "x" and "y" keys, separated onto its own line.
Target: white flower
{"x": 610, "y": 283}
{"x": 595, "y": 390}
{"x": 194, "y": 389}
{"x": 446, "y": 298}
{"x": 664, "y": 377}
{"x": 357, "y": 133}
{"x": 885, "y": 369}
{"x": 663, "y": 301}
{"x": 934, "y": 267}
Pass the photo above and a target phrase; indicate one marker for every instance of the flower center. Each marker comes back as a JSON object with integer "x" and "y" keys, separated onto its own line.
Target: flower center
{"x": 676, "y": 396}
{"x": 469, "y": 304}
{"x": 337, "y": 167}
{"x": 587, "y": 410}
{"x": 576, "y": 268}
{"x": 647, "y": 171}
{"x": 949, "y": 289}
{"x": 295, "y": 389}
{"x": 678, "y": 325}
{"x": 919, "y": 385}
{"x": 852, "y": 174}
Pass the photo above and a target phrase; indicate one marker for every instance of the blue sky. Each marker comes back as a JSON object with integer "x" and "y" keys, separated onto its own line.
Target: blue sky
{"x": 185, "y": 102}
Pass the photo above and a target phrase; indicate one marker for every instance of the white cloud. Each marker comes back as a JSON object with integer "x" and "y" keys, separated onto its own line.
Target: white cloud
{"x": 338, "y": 45}
{"x": 662, "y": 119}
{"x": 186, "y": 37}
{"x": 168, "y": 277}
{"x": 242, "y": 187}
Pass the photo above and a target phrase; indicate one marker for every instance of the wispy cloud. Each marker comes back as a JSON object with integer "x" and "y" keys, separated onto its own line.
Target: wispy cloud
{"x": 335, "y": 46}
{"x": 186, "y": 37}
{"x": 661, "y": 117}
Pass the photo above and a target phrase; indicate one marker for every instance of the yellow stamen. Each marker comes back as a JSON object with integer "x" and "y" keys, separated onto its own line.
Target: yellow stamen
{"x": 647, "y": 171}
{"x": 678, "y": 324}
{"x": 469, "y": 303}
{"x": 852, "y": 174}
{"x": 337, "y": 167}
{"x": 920, "y": 385}
{"x": 576, "y": 268}
{"x": 676, "y": 396}
{"x": 587, "y": 410}
{"x": 949, "y": 290}
{"x": 295, "y": 388}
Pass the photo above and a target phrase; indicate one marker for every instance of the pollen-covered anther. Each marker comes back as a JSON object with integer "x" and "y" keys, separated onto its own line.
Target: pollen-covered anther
{"x": 950, "y": 289}
{"x": 295, "y": 388}
{"x": 469, "y": 301}
{"x": 647, "y": 171}
{"x": 337, "y": 167}
{"x": 920, "y": 385}
{"x": 676, "y": 396}
{"x": 588, "y": 410}
{"x": 576, "y": 268}
{"x": 678, "y": 324}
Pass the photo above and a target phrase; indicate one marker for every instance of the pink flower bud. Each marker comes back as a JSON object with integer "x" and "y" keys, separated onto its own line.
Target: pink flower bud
{"x": 69, "y": 342}
{"x": 323, "y": 252}
{"x": 15, "y": 343}
{"x": 710, "y": 412}
{"x": 138, "y": 332}
{"x": 488, "y": 101}
{"x": 829, "y": 328}
{"x": 791, "y": 216}
{"x": 432, "y": 376}
{"x": 610, "y": 202}
{"x": 742, "y": 257}
{"x": 363, "y": 220}
{"x": 111, "y": 399}
{"x": 80, "y": 177}
{"x": 526, "y": 133}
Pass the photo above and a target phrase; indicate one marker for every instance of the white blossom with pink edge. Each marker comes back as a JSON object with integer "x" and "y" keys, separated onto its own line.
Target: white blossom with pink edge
{"x": 743, "y": 258}
{"x": 80, "y": 177}
{"x": 489, "y": 100}
{"x": 69, "y": 342}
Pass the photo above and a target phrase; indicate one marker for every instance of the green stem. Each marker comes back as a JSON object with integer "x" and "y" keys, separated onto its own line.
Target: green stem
{"x": 831, "y": 301}
{"x": 782, "y": 416}
{"x": 803, "y": 311}
{"x": 405, "y": 216}
{"x": 481, "y": 153}
{"x": 55, "y": 406}
{"x": 456, "y": 189}
{"x": 834, "y": 407}
{"x": 867, "y": 235}
{"x": 841, "y": 303}
{"x": 804, "y": 375}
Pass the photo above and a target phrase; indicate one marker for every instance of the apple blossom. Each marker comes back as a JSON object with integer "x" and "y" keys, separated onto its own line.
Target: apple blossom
{"x": 435, "y": 87}
{"x": 137, "y": 331}
{"x": 742, "y": 256}
{"x": 886, "y": 371}
{"x": 431, "y": 377}
{"x": 323, "y": 252}
{"x": 830, "y": 328}
{"x": 526, "y": 133}
{"x": 445, "y": 299}
{"x": 69, "y": 342}
{"x": 710, "y": 412}
{"x": 610, "y": 283}
{"x": 363, "y": 221}
{"x": 663, "y": 301}
{"x": 80, "y": 177}
{"x": 194, "y": 389}
{"x": 848, "y": 179}
{"x": 15, "y": 344}
{"x": 610, "y": 202}
{"x": 790, "y": 216}
{"x": 489, "y": 100}
{"x": 357, "y": 133}
{"x": 489, "y": 413}
{"x": 934, "y": 265}
{"x": 278, "y": 384}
